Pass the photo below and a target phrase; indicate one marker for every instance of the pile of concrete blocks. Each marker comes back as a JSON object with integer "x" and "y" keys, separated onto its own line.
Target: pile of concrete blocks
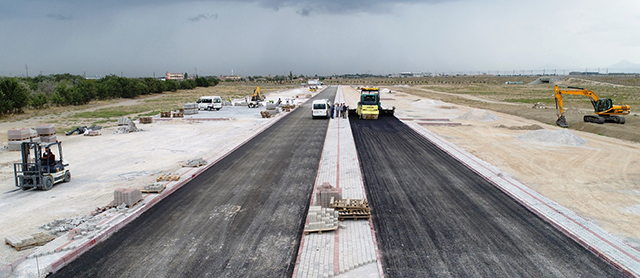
{"x": 325, "y": 193}
{"x": 125, "y": 125}
{"x": 197, "y": 162}
{"x": 127, "y": 196}
{"x": 156, "y": 187}
{"x": 17, "y": 136}
{"x": 59, "y": 227}
{"x": 190, "y": 108}
{"x": 242, "y": 103}
{"x": 47, "y": 133}
{"x": 145, "y": 120}
{"x": 227, "y": 103}
{"x": 321, "y": 219}
{"x": 20, "y": 242}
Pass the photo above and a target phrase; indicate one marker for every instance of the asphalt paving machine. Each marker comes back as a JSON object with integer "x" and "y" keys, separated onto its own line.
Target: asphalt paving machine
{"x": 369, "y": 106}
{"x": 604, "y": 108}
{"x": 256, "y": 98}
{"x": 40, "y": 169}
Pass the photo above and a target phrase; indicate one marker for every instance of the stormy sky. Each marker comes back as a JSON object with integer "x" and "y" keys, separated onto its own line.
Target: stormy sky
{"x": 273, "y": 37}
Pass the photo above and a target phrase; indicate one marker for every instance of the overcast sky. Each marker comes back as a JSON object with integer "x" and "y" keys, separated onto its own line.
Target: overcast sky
{"x": 274, "y": 37}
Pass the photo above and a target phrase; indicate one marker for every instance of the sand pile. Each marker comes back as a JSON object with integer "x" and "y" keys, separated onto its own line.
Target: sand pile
{"x": 426, "y": 102}
{"x": 478, "y": 115}
{"x": 562, "y": 137}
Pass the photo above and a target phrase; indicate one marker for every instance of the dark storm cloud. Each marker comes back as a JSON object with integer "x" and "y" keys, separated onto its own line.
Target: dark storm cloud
{"x": 59, "y": 17}
{"x": 203, "y": 17}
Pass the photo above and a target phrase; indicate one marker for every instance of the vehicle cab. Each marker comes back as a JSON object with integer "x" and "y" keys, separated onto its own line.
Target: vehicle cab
{"x": 209, "y": 103}
{"x": 321, "y": 108}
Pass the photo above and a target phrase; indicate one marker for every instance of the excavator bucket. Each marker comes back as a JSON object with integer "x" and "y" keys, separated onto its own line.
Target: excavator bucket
{"x": 562, "y": 122}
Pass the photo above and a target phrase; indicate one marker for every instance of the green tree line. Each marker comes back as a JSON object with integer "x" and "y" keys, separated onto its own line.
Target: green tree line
{"x": 40, "y": 92}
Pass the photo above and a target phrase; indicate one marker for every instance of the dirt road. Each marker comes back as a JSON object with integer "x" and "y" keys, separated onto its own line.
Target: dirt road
{"x": 243, "y": 217}
{"x": 434, "y": 217}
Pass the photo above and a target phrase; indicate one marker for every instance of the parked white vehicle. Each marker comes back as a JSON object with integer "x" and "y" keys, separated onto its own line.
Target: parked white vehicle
{"x": 209, "y": 103}
{"x": 321, "y": 108}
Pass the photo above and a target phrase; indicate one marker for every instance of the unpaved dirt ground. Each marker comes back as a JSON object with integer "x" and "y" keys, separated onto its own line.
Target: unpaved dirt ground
{"x": 599, "y": 180}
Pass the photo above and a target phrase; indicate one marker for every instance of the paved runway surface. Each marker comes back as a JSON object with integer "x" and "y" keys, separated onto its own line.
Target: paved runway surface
{"x": 436, "y": 218}
{"x": 243, "y": 217}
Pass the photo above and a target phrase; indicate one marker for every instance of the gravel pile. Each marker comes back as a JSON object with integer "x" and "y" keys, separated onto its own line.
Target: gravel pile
{"x": 478, "y": 115}
{"x": 562, "y": 137}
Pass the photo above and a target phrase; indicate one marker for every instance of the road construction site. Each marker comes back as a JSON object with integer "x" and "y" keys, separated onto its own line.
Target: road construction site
{"x": 432, "y": 212}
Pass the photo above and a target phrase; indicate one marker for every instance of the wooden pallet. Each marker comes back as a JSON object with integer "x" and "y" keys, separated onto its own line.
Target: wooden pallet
{"x": 319, "y": 231}
{"x": 168, "y": 178}
{"x": 355, "y": 215}
{"x": 165, "y": 114}
{"x": 351, "y": 208}
{"x": 142, "y": 190}
{"x": 39, "y": 239}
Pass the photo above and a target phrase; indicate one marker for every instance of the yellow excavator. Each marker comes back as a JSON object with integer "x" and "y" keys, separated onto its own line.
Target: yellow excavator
{"x": 255, "y": 99}
{"x": 604, "y": 108}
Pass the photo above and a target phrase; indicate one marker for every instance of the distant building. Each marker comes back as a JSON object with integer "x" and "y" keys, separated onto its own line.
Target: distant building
{"x": 230, "y": 77}
{"x": 173, "y": 76}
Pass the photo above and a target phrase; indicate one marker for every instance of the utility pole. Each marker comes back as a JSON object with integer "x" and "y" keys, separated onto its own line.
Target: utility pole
{"x": 26, "y": 67}
{"x": 196, "y": 72}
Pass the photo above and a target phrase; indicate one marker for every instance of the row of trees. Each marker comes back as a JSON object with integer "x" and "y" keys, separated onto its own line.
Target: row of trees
{"x": 17, "y": 94}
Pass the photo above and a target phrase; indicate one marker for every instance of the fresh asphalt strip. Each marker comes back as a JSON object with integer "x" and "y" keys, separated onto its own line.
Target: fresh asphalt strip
{"x": 243, "y": 217}
{"x": 434, "y": 217}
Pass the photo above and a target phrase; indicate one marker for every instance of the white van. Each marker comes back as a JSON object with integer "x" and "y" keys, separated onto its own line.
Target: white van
{"x": 209, "y": 103}
{"x": 321, "y": 108}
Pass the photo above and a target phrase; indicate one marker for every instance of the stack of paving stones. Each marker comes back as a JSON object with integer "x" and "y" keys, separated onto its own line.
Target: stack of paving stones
{"x": 325, "y": 193}
{"x": 190, "y": 108}
{"x": 127, "y": 196}
{"x": 17, "y": 136}
{"x": 145, "y": 120}
{"x": 321, "y": 219}
{"x": 197, "y": 162}
{"x": 47, "y": 133}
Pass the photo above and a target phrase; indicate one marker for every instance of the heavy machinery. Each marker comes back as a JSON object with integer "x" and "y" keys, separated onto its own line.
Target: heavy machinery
{"x": 369, "y": 106}
{"x": 38, "y": 169}
{"x": 255, "y": 99}
{"x": 604, "y": 108}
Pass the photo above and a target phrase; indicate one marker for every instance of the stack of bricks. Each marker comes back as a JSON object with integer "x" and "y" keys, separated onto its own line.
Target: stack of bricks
{"x": 325, "y": 193}
{"x": 127, "y": 196}
{"x": 190, "y": 108}
{"x": 321, "y": 219}
{"x": 17, "y": 136}
{"x": 145, "y": 120}
{"x": 47, "y": 133}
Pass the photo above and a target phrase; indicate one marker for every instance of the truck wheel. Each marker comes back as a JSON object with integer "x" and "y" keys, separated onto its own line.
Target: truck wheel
{"x": 47, "y": 183}
{"x": 217, "y": 109}
{"x": 67, "y": 176}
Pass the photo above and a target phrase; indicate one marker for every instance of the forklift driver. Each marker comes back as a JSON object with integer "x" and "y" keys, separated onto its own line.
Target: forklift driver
{"x": 48, "y": 158}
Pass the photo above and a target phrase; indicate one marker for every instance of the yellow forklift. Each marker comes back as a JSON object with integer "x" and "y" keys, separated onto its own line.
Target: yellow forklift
{"x": 40, "y": 168}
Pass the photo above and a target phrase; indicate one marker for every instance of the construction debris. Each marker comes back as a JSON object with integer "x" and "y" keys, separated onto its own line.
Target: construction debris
{"x": 351, "y": 208}
{"x": 539, "y": 105}
{"x": 84, "y": 130}
{"x": 326, "y": 193}
{"x": 321, "y": 220}
{"x": 127, "y": 196}
{"x": 20, "y": 242}
{"x": 153, "y": 188}
{"x": 125, "y": 125}
{"x": 195, "y": 162}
